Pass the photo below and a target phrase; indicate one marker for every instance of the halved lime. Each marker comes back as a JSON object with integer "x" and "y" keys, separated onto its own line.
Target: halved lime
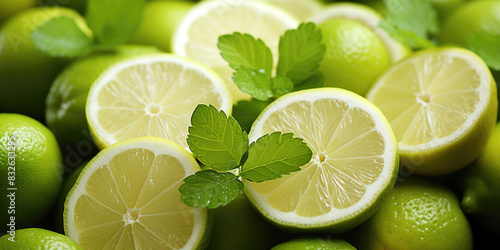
{"x": 354, "y": 164}
{"x": 442, "y": 105}
{"x": 127, "y": 198}
{"x": 151, "y": 95}
{"x": 198, "y": 33}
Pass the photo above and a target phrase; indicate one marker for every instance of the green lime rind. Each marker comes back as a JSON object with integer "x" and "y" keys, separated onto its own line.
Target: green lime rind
{"x": 371, "y": 203}
{"x": 203, "y": 216}
{"x": 315, "y": 244}
{"x": 36, "y": 238}
{"x": 31, "y": 163}
{"x": 418, "y": 214}
{"x": 481, "y": 195}
{"x": 66, "y": 100}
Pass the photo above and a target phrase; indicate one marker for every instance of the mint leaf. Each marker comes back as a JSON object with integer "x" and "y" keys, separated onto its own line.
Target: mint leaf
{"x": 210, "y": 189}
{"x": 216, "y": 139}
{"x": 61, "y": 37}
{"x": 244, "y": 50}
{"x": 114, "y": 21}
{"x": 300, "y": 52}
{"x": 274, "y": 155}
{"x": 281, "y": 85}
{"x": 246, "y": 111}
{"x": 253, "y": 82}
{"x": 487, "y": 46}
{"x": 411, "y": 22}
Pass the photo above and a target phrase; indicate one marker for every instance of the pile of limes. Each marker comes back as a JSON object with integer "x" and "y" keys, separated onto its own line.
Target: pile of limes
{"x": 405, "y": 141}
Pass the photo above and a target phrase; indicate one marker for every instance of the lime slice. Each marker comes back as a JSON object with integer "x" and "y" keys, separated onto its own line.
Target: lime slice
{"x": 442, "y": 105}
{"x": 198, "y": 33}
{"x": 127, "y": 198}
{"x": 366, "y": 16}
{"x": 151, "y": 96}
{"x": 354, "y": 163}
{"x": 301, "y": 9}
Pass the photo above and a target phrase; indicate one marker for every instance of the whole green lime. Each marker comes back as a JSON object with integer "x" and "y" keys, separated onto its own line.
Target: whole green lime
{"x": 315, "y": 244}
{"x": 469, "y": 18}
{"x": 239, "y": 226}
{"x": 9, "y": 8}
{"x": 36, "y": 238}
{"x": 31, "y": 170}
{"x": 160, "y": 19}
{"x": 26, "y": 73}
{"x": 481, "y": 184}
{"x": 65, "y": 113}
{"x": 355, "y": 57}
{"x": 418, "y": 214}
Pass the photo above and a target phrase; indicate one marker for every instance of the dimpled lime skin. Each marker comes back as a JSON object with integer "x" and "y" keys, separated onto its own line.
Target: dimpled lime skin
{"x": 39, "y": 239}
{"x": 26, "y": 73}
{"x": 469, "y": 18}
{"x": 315, "y": 244}
{"x": 65, "y": 112}
{"x": 482, "y": 184}
{"x": 38, "y": 169}
{"x": 160, "y": 19}
{"x": 418, "y": 214}
{"x": 355, "y": 57}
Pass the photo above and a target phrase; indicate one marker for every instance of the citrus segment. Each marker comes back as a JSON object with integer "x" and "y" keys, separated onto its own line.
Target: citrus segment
{"x": 198, "y": 33}
{"x": 442, "y": 106}
{"x": 127, "y": 198}
{"x": 354, "y": 160}
{"x": 151, "y": 96}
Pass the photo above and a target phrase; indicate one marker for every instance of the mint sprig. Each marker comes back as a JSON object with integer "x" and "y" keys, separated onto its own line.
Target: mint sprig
{"x": 300, "y": 52}
{"x": 274, "y": 155}
{"x": 218, "y": 142}
{"x": 412, "y": 22}
{"x": 210, "y": 189}
{"x": 111, "y": 22}
{"x": 243, "y": 50}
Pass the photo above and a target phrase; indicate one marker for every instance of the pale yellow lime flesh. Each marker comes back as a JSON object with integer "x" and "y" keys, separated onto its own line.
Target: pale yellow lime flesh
{"x": 152, "y": 96}
{"x": 354, "y": 159}
{"x": 127, "y": 198}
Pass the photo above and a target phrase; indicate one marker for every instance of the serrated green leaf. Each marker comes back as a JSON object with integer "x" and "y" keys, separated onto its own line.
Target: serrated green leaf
{"x": 244, "y": 50}
{"x": 61, "y": 37}
{"x": 487, "y": 46}
{"x": 114, "y": 21}
{"x": 253, "y": 82}
{"x": 411, "y": 22}
{"x": 300, "y": 52}
{"x": 246, "y": 111}
{"x": 274, "y": 155}
{"x": 210, "y": 189}
{"x": 216, "y": 139}
{"x": 281, "y": 85}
